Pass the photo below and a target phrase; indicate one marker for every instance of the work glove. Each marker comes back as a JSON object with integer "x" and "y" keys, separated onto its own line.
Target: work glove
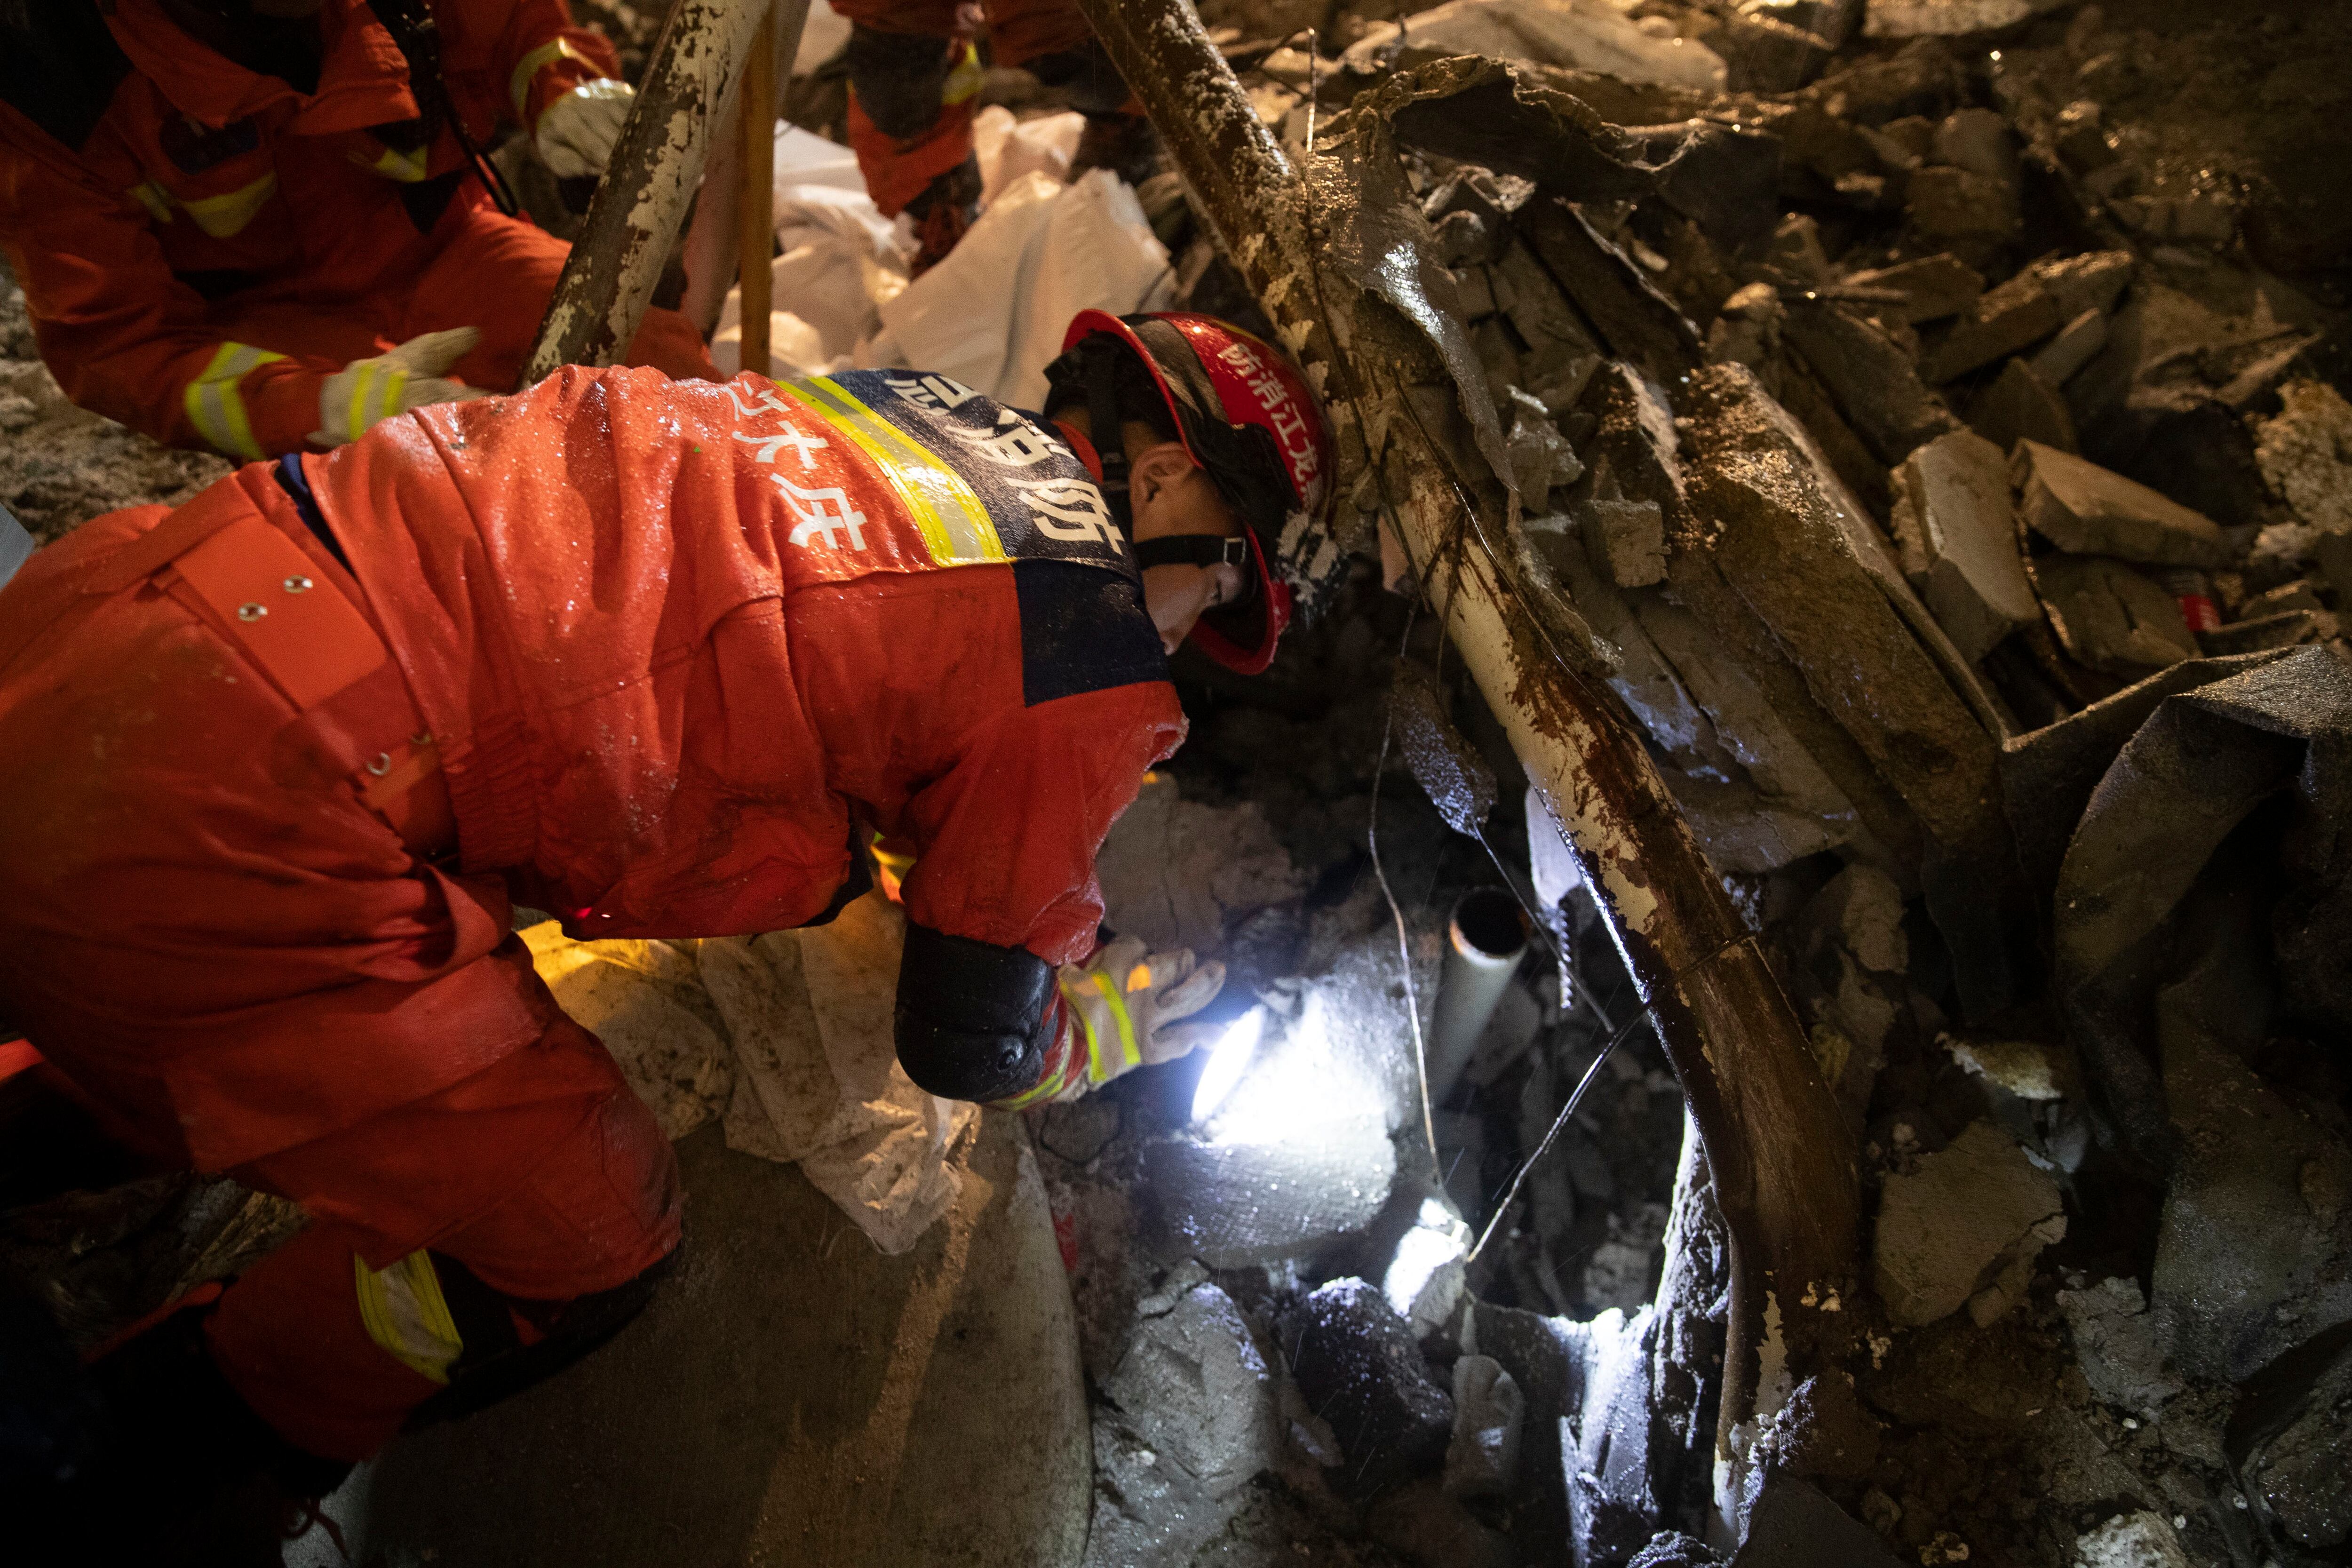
{"x": 1130, "y": 1006}
{"x": 367, "y": 390}
{"x": 576, "y": 133}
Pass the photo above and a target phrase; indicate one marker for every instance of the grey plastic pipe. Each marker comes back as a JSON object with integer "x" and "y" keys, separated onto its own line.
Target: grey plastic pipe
{"x": 1484, "y": 943}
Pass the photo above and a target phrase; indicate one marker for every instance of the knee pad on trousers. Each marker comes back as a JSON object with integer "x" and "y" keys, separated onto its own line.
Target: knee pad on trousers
{"x": 899, "y": 79}
{"x": 971, "y": 1016}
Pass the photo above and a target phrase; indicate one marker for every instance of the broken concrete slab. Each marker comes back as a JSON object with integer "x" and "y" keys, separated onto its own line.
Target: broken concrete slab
{"x": 2111, "y": 617}
{"x": 1979, "y": 140}
{"x": 2002, "y": 321}
{"x": 1824, "y": 1431}
{"x": 1956, "y": 489}
{"x": 1614, "y": 1468}
{"x": 2287, "y": 628}
{"x": 2299, "y": 1461}
{"x": 1949, "y": 1229}
{"x": 1672, "y": 1549}
{"x": 1194, "y": 1385}
{"x": 1932, "y": 287}
{"x": 1483, "y": 1459}
{"x": 1181, "y": 873}
{"x": 2114, "y": 1345}
{"x": 1540, "y": 455}
{"x": 2022, "y": 406}
{"x": 1356, "y": 1362}
{"x": 2076, "y": 343}
{"x": 2086, "y": 510}
{"x": 1626, "y": 539}
{"x": 1873, "y": 381}
{"x": 1635, "y": 320}
{"x": 1861, "y": 908}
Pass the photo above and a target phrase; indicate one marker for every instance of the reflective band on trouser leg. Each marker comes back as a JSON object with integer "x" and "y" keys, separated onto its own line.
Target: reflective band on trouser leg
{"x": 375, "y": 394}
{"x": 406, "y": 1314}
{"x": 214, "y": 406}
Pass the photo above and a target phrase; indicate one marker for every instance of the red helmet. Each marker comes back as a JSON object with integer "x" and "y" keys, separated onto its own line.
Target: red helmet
{"x": 1245, "y": 415}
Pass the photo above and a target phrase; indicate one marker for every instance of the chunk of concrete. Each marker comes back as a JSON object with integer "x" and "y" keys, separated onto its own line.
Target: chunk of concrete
{"x": 2306, "y": 454}
{"x": 1195, "y": 1387}
{"x": 2114, "y": 1345}
{"x": 1672, "y": 1549}
{"x": 1979, "y": 140}
{"x": 1794, "y": 1524}
{"x": 1949, "y": 18}
{"x": 1863, "y": 910}
{"x": 2086, "y": 510}
{"x": 2079, "y": 134}
{"x": 2022, "y": 406}
{"x": 1483, "y": 1459}
{"x": 1873, "y": 381}
{"x": 2111, "y": 617}
{"x": 2076, "y": 343}
{"x": 1824, "y": 1431}
{"x": 1357, "y": 1363}
{"x": 2140, "y": 1540}
{"x": 1540, "y": 455}
{"x": 1948, "y": 205}
{"x": 2093, "y": 281}
{"x": 1627, "y": 540}
{"x": 1957, "y": 489}
{"x": 1933, "y": 287}
{"x": 2001, "y": 322}
{"x": 1949, "y": 1229}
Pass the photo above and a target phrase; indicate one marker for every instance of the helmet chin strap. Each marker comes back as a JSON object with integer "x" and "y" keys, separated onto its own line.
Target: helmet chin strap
{"x": 1100, "y": 354}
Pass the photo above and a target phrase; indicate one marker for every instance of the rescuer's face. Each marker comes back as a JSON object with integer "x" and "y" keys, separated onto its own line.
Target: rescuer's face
{"x": 1171, "y": 496}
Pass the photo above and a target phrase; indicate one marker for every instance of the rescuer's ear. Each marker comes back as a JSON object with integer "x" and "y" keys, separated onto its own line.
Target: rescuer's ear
{"x": 1158, "y": 469}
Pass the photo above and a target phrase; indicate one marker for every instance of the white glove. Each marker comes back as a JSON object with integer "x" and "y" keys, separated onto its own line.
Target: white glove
{"x": 576, "y": 133}
{"x": 1130, "y": 1006}
{"x": 368, "y": 390}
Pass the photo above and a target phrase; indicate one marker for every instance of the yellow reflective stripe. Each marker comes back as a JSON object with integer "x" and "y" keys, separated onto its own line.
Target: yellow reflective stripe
{"x": 408, "y": 1316}
{"x": 546, "y": 54}
{"x": 149, "y": 194}
{"x": 955, "y": 525}
{"x": 214, "y": 407}
{"x": 1129, "y": 1052}
{"x": 406, "y": 167}
{"x": 375, "y": 394}
{"x": 224, "y": 215}
{"x": 965, "y": 79}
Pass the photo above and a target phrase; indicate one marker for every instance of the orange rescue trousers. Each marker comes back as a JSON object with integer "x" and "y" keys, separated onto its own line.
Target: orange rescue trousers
{"x": 247, "y": 968}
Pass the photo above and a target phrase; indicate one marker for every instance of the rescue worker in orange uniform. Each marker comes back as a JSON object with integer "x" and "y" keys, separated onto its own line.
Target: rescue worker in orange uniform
{"x": 248, "y": 225}
{"x": 913, "y": 73}
{"x": 662, "y": 658}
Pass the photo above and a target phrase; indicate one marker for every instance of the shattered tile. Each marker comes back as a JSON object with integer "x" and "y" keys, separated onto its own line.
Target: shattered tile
{"x": 2085, "y": 509}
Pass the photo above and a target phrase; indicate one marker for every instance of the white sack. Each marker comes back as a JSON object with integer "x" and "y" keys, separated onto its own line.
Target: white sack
{"x": 991, "y": 315}
{"x": 1008, "y": 148}
{"x": 646, "y": 1002}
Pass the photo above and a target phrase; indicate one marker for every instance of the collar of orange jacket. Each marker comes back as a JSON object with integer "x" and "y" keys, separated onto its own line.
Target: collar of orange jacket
{"x": 362, "y": 81}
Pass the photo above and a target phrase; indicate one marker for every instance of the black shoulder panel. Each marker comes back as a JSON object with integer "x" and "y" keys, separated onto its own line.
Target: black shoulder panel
{"x": 971, "y": 1014}
{"x": 1082, "y": 629}
{"x": 59, "y": 67}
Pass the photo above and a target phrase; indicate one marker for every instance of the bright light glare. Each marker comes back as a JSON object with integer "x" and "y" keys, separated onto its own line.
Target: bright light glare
{"x": 1427, "y": 1248}
{"x": 1228, "y": 1060}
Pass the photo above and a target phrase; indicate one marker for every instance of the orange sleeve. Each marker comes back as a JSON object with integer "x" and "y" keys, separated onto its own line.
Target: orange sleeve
{"x": 1007, "y": 837}
{"x": 124, "y": 337}
{"x": 541, "y": 54}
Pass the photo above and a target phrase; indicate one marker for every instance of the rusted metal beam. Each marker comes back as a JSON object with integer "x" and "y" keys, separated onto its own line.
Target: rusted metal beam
{"x": 1781, "y": 1159}
{"x": 649, "y": 183}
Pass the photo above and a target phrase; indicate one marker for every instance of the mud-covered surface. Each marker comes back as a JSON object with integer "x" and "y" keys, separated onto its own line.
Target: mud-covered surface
{"x": 61, "y": 465}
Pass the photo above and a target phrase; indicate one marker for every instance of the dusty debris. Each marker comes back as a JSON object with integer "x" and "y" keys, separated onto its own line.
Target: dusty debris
{"x": 1963, "y": 1229}
{"x": 2305, "y": 452}
{"x": 2141, "y": 1540}
{"x": 2081, "y": 507}
{"x": 1357, "y": 1363}
{"x": 2115, "y": 1342}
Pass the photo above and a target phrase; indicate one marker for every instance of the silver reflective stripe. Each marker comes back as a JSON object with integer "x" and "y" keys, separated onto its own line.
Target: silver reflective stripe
{"x": 16, "y": 546}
